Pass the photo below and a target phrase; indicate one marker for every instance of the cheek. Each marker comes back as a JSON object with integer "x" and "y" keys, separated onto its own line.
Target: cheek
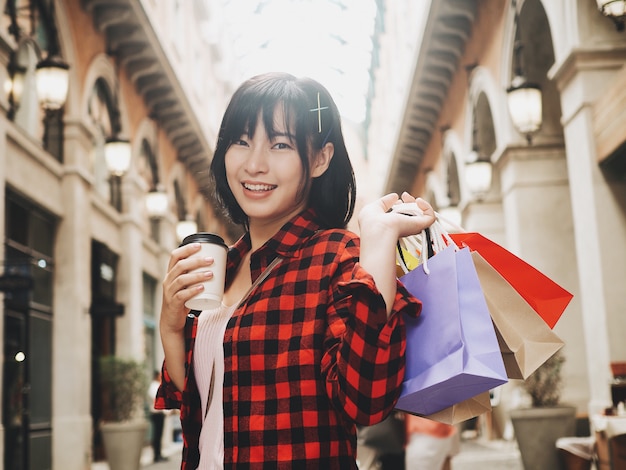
{"x": 230, "y": 166}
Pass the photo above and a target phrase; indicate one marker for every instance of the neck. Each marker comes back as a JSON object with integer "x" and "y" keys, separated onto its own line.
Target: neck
{"x": 262, "y": 230}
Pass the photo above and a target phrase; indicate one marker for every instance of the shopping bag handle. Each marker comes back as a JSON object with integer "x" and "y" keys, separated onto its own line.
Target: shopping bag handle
{"x": 428, "y": 242}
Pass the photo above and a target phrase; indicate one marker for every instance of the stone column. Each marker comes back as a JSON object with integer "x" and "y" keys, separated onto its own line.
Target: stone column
{"x": 130, "y": 331}
{"x": 598, "y": 220}
{"x": 72, "y": 421}
{"x": 538, "y": 221}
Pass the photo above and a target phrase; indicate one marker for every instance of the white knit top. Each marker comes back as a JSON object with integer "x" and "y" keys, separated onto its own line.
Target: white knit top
{"x": 208, "y": 365}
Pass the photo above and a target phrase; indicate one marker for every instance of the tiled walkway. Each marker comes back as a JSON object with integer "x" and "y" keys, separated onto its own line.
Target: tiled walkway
{"x": 476, "y": 454}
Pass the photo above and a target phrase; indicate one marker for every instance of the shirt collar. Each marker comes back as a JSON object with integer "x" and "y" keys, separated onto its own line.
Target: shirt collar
{"x": 287, "y": 242}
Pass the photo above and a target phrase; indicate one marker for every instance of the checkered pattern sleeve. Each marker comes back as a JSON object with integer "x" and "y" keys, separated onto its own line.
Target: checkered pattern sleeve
{"x": 364, "y": 360}
{"x": 168, "y": 397}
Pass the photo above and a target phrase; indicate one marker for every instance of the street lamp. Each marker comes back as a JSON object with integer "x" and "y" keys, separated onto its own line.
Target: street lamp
{"x": 156, "y": 202}
{"x": 614, "y": 9}
{"x": 117, "y": 154}
{"x": 478, "y": 174}
{"x": 52, "y": 82}
{"x": 523, "y": 97}
{"x": 525, "y": 108}
{"x": 14, "y": 85}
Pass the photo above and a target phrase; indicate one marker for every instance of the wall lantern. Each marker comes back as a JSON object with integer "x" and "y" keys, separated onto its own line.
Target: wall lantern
{"x": 524, "y": 102}
{"x": 186, "y": 227}
{"x": 14, "y": 86}
{"x": 523, "y": 97}
{"x": 614, "y": 9}
{"x": 478, "y": 174}
{"x": 117, "y": 154}
{"x": 52, "y": 81}
{"x": 156, "y": 202}
{"x": 51, "y": 73}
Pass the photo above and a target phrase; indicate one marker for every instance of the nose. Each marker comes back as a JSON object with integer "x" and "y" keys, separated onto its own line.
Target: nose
{"x": 257, "y": 161}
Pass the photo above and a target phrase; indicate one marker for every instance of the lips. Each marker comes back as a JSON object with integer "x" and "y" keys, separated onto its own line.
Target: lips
{"x": 259, "y": 187}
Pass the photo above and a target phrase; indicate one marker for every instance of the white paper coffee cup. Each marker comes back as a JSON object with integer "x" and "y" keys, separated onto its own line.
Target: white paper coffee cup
{"x": 211, "y": 246}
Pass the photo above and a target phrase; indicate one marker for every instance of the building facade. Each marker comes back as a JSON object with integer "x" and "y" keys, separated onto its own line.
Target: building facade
{"x": 555, "y": 192}
{"x": 83, "y": 253}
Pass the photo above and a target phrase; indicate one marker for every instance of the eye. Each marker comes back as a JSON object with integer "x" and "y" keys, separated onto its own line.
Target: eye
{"x": 282, "y": 146}
{"x": 240, "y": 141}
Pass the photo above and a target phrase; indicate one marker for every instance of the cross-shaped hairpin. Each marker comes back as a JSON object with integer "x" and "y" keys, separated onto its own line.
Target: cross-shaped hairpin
{"x": 319, "y": 113}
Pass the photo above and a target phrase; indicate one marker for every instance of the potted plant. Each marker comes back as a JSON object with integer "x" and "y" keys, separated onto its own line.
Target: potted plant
{"x": 537, "y": 428}
{"x": 123, "y": 425}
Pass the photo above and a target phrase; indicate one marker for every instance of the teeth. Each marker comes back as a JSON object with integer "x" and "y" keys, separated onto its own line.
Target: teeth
{"x": 258, "y": 187}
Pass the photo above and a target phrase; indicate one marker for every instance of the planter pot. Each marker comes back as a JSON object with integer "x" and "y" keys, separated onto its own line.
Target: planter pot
{"x": 123, "y": 443}
{"x": 537, "y": 430}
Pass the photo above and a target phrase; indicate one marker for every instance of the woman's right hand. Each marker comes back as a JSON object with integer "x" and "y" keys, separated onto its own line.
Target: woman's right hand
{"x": 180, "y": 285}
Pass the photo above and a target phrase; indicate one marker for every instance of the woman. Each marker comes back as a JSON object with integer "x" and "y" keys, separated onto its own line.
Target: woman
{"x": 278, "y": 377}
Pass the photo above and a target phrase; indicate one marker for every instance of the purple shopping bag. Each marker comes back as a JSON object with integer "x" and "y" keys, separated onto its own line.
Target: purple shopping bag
{"x": 452, "y": 351}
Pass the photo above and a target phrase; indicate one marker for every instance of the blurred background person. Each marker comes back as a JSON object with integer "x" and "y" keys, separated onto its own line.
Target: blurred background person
{"x": 157, "y": 418}
{"x": 430, "y": 444}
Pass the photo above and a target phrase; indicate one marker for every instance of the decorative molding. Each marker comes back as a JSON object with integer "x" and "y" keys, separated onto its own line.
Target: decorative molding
{"x": 448, "y": 27}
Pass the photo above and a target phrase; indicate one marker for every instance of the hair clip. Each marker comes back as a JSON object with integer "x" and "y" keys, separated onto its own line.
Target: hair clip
{"x": 319, "y": 113}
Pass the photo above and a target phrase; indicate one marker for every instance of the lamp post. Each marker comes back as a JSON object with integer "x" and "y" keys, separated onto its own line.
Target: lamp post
{"x": 14, "y": 86}
{"x": 156, "y": 202}
{"x": 525, "y": 108}
{"x": 614, "y": 9}
{"x": 52, "y": 82}
{"x": 478, "y": 174}
{"x": 156, "y": 207}
{"x": 524, "y": 98}
{"x": 117, "y": 154}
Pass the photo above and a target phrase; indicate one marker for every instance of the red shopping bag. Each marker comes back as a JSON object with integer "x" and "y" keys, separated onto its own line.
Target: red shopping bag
{"x": 544, "y": 295}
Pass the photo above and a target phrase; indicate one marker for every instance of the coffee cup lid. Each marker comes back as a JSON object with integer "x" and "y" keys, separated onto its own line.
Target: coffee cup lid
{"x": 204, "y": 237}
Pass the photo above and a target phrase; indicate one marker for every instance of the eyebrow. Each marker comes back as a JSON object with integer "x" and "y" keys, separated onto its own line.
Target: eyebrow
{"x": 289, "y": 135}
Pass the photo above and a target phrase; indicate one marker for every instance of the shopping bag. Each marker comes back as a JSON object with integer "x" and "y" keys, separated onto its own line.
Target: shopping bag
{"x": 526, "y": 341}
{"x": 452, "y": 352}
{"x": 467, "y": 409}
{"x": 544, "y": 295}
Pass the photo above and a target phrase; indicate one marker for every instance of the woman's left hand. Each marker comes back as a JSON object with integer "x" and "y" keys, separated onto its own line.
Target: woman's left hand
{"x": 379, "y": 219}
{"x": 380, "y": 228}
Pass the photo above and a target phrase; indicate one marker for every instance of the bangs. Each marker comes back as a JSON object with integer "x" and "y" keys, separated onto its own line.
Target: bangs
{"x": 262, "y": 102}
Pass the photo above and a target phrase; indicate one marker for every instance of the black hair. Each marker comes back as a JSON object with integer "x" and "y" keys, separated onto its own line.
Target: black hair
{"x": 332, "y": 194}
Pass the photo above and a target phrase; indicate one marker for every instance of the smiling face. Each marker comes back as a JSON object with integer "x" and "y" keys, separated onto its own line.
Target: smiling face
{"x": 276, "y": 117}
{"x": 265, "y": 173}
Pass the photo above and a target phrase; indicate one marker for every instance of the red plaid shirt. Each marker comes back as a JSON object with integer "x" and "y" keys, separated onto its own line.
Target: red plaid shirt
{"x": 309, "y": 354}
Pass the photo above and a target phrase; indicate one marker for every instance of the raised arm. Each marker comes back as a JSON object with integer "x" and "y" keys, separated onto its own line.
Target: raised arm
{"x": 380, "y": 229}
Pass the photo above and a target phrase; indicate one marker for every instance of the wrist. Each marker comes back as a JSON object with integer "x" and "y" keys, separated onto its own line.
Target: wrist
{"x": 378, "y": 236}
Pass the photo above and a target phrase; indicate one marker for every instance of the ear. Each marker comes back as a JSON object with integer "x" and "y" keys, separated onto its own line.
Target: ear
{"x": 322, "y": 160}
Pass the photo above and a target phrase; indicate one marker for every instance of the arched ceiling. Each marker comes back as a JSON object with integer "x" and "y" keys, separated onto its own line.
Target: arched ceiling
{"x": 448, "y": 27}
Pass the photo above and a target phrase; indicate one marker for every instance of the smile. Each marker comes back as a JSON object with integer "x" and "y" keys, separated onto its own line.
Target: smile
{"x": 258, "y": 187}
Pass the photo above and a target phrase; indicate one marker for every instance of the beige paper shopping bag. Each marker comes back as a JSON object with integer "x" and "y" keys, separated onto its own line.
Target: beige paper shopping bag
{"x": 526, "y": 341}
{"x": 463, "y": 411}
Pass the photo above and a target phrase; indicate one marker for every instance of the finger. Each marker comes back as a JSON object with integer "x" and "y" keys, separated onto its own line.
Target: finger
{"x": 406, "y": 197}
{"x": 388, "y": 201}
{"x": 425, "y": 206}
{"x": 182, "y": 252}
